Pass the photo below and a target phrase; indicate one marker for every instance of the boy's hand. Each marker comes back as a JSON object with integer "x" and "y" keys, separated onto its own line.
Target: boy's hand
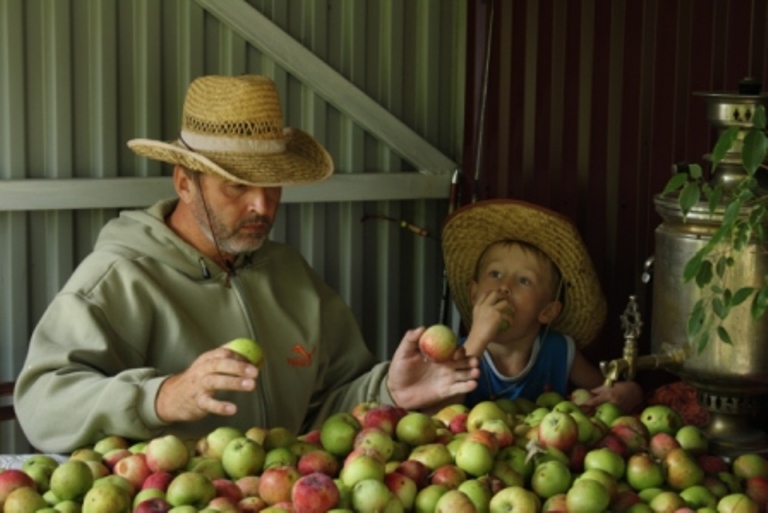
{"x": 490, "y": 315}
{"x": 627, "y": 395}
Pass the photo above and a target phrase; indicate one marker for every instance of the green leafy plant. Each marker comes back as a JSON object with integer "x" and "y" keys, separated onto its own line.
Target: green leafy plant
{"x": 743, "y": 209}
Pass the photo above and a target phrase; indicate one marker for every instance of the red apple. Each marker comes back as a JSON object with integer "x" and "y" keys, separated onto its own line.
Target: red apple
{"x": 682, "y": 470}
{"x": 438, "y": 343}
{"x": 402, "y": 487}
{"x": 756, "y": 488}
{"x": 661, "y": 443}
{"x": 134, "y": 468}
{"x": 314, "y": 493}
{"x": 415, "y": 470}
{"x": 111, "y": 458}
{"x": 228, "y": 488}
{"x": 449, "y": 476}
{"x": 12, "y": 479}
{"x": 458, "y": 423}
{"x": 249, "y": 486}
{"x": 558, "y": 429}
{"x": 157, "y": 480}
{"x": 318, "y": 460}
{"x": 153, "y": 505}
{"x": 276, "y": 483}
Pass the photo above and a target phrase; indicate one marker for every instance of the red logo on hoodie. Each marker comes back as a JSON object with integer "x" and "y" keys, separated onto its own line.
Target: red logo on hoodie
{"x": 304, "y": 358}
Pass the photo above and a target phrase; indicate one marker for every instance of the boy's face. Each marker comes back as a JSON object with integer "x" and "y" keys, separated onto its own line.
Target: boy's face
{"x": 525, "y": 279}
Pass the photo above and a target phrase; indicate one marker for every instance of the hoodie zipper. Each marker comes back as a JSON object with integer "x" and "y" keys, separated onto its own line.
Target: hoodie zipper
{"x": 262, "y": 386}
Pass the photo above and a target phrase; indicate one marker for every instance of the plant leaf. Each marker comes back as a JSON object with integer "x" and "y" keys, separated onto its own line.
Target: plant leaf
{"x": 701, "y": 342}
{"x": 692, "y": 267}
{"x": 723, "y": 144}
{"x": 676, "y": 182}
{"x": 723, "y": 335}
{"x": 714, "y": 199}
{"x": 719, "y": 308}
{"x": 704, "y": 276}
{"x": 695, "y": 171}
{"x": 741, "y": 295}
{"x": 689, "y": 196}
{"x": 758, "y": 118}
{"x": 760, "y": 302}
{"x": 695, "y": 320}
{"x": 753, "y": 150}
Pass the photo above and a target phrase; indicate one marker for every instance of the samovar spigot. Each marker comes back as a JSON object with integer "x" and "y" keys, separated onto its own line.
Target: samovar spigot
{"x": 628, "y": 365}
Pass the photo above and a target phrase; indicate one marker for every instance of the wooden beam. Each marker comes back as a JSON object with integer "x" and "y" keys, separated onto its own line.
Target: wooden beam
{"x": 261, "y": 32}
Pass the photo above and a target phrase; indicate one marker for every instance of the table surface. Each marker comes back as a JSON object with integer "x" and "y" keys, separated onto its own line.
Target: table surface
{"x": 15, "y": 460}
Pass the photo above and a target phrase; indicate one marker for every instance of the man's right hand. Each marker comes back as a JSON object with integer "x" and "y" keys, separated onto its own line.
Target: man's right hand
{"x": 190, "y": 396}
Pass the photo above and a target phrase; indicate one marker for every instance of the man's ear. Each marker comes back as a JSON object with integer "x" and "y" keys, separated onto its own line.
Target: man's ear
{"x": 182, "y": 182}
{"x": 550, "y": 312}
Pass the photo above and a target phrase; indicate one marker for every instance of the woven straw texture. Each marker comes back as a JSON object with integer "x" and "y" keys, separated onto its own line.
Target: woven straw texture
{"x": 241, "y": 119}
{"x": 471, "y": 229}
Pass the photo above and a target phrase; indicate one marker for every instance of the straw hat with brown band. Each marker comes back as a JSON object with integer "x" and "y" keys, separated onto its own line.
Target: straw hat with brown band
{"x": 233, "y": 127}
{"x": 471, "y": 229}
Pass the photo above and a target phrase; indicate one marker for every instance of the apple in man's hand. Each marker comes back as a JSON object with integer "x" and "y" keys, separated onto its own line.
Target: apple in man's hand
{"x": 438, "y": 343}
{"x": 248, "y": 349}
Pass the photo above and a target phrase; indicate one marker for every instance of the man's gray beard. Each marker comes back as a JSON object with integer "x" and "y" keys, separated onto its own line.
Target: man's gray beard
{"x": 225, "y": 243}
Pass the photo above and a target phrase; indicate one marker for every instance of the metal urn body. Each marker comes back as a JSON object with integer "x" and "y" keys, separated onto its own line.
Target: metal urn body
{"x": 731, "y": 378}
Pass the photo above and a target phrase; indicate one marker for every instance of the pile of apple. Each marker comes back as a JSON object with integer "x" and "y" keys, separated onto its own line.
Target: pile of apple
{"x": 548, "y": 455}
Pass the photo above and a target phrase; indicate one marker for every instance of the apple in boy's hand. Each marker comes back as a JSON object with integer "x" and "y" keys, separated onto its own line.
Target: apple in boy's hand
{"x": 248, "y": 349}
{"x": 438, "y": 343}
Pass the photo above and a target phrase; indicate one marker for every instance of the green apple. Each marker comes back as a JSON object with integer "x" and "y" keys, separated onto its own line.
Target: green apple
{"x": 644, "y": 471}
{"x": 454, "y": 501}
{"x": 699, "y": 496}
{"x": 248, "y": 349}
{"x": 214, "y": 442}
{"x": 608, "y": 412}
{"x": 605, "y": 459}
{"x": 587, "y": 496}
{"x": 551, "y": 478}
{"x": 107, "y": 498}
{"x": 661, "y": 418}
{"x": 360, "y": 468}
{"x": 427, "y": 498}
{"x": 667, "y": 500}
{"x": 242, "y": 457}
{"x": 338, "y": 432}
{"x": 432, "y": 456}
{"x": 693, "y": 439}
{"x": 190, "y": 488}
{"x": 280, "y": 456}
{"x": 474, "y": 458}
{"x": 24, "y": 499}
{"x": 516, "y": 498}
{"x": 483, "y": 411}
{"x": 549, "y": 399}
{"x": 416, "y": 428}
{"x": 71, "y": 480}
{"x": 479, "y": 492}
{"x": 371, "y": 495}
{"x": 749, "y": 465}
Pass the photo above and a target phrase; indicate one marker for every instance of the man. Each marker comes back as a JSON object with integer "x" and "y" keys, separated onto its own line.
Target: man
{"x": 131, "y": 344}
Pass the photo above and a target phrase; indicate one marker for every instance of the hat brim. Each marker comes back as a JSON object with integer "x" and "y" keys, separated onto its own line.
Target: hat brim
{"x": 303, "y": 161}
{"x": 468, "y": 231}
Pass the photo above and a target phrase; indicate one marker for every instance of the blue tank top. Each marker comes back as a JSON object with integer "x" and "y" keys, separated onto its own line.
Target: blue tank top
{"x": 548, "y": 369}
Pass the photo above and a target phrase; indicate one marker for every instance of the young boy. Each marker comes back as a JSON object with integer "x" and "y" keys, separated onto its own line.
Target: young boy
{"x": 529, "y": 296}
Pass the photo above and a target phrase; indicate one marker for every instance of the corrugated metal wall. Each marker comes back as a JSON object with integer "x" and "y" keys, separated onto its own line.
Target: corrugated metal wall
{"x": 78, "y": 78}
{"x": 590, "y": 104}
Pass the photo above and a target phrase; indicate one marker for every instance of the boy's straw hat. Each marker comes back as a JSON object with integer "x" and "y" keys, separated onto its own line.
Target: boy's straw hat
{"x": 233, "y": 127}
{"x": 471, "y": 229}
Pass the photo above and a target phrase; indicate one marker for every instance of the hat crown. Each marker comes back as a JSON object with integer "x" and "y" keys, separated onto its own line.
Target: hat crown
{"x": 246, "y": 106}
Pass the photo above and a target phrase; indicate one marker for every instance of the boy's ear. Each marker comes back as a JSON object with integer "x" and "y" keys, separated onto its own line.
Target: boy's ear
{"x": 550, "y": 312}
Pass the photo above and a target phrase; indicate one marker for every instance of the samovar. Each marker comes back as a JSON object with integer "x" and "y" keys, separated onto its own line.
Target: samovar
{"x": 731, "y": 379}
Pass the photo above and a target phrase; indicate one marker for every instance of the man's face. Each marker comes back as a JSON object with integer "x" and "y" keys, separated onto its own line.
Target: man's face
{"x": 239, "y": 216}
